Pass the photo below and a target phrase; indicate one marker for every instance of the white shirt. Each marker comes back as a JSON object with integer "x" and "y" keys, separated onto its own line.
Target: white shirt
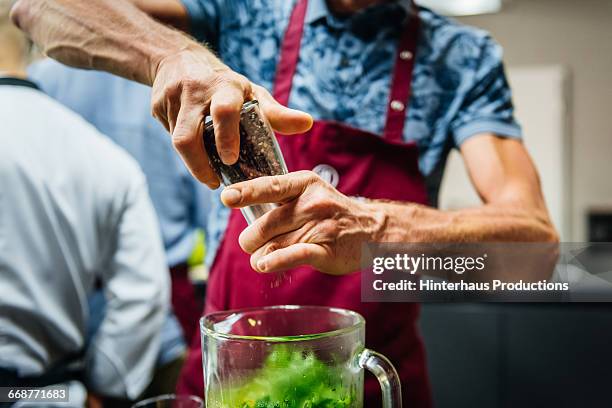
{"x": 74, "y": 208}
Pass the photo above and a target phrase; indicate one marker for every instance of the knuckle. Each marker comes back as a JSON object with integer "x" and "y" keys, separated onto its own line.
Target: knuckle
{"x": 158, "y": 101}
{"x": 227, "y": 78}
{"x": 181, "y": 141}
{"x": 247, "y": 192}
{"x": 318, "y": 202}
{"x": 236, "y": 79}
{"x": 246, "y": 85}
{"x": 156, "y": 106}
{"x": 302, "y": 253}
{"x": 158, "y": 111}
{"x": 188, "y": 83}
{"x": 156, "y": 98}
{"x": 276, "y": 187}
{"x": 190, "y": 90}
{"x": 258, "y": 232}
{"x": 171, "y": 90}
{"x": 259, "y": 91}
{"x": 271, "y": 247}
{"x": 311, "y": 177}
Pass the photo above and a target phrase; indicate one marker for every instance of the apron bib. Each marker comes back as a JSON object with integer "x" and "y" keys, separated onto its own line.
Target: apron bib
{"x": 359, "y": 164}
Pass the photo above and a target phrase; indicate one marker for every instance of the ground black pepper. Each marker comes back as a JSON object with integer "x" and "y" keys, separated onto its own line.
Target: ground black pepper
{"x": 259, "y": 151}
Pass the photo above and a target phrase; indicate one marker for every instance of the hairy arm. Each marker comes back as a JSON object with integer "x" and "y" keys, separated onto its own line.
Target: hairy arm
{"x": 113, "y": 36}
{"x": 506, "y": 180}
{"x": 319, "y": 226}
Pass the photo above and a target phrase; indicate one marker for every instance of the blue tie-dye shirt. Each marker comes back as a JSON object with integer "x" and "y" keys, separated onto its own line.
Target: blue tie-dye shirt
{"x": 459, "y": 88}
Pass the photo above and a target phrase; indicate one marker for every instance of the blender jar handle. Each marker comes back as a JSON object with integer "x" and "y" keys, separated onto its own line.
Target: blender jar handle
{"x": 384, "y": 371}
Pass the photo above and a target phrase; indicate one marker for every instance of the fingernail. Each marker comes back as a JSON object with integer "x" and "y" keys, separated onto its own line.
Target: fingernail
{"x": 261, "y": 265}
{"x": 231, "y": 196}
{"x": 228, "y": 156}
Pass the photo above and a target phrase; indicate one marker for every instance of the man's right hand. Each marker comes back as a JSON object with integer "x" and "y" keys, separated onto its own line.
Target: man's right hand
{"x": 189, "y": 85}
{"x": 189, "y": 82}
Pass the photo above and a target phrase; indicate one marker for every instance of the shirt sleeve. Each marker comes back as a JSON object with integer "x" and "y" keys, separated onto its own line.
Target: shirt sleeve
{"x": 487, "y": 101}
{"x": 122, "y": 355}
{"x": 204, "y": 19}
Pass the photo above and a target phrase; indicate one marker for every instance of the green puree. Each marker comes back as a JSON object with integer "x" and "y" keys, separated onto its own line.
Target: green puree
{"x": 292, "y": 379}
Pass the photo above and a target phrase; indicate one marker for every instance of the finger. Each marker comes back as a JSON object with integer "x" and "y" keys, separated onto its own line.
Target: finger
{"x": 282, "y": 119}
{"x": 270, "y": 189}
{"x": 160, "y": 112}
{"x": 172, "y": 115}
{"x": 225, "y": 108}
{"x": 163, "y": 119}
{"x": 290, "y": 257}
{"x": 187, "y": 140}
{"x": 279, "y": 221}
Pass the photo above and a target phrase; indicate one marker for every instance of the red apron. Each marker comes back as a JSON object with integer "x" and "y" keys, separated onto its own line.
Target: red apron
{"x": 185, "y": 301}
{"x": 362, "y": 164}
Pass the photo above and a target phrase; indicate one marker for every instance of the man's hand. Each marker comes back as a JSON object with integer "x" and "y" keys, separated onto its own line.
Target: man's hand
{"x": 317, "y": 225}
{"x": 189, "y": 81}
{"x": 190, "y": 85}
{"x": 314, "y": 224}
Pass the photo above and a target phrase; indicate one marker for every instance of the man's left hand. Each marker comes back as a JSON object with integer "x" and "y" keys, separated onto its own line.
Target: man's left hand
{"x": 314, "y": 224}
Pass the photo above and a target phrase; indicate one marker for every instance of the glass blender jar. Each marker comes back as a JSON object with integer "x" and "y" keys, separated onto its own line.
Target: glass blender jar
{"x": 290, "y": 357}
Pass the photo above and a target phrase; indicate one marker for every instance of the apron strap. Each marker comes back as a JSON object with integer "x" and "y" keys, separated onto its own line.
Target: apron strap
{"x": 401, "y": 82}
{"x": 290, "y": 53}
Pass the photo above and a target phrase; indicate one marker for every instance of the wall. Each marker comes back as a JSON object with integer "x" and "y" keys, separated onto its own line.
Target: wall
{"x": 577, "y": 34}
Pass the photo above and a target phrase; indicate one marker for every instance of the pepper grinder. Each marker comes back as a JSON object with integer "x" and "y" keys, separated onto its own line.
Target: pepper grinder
{"x": 260, "y": 155}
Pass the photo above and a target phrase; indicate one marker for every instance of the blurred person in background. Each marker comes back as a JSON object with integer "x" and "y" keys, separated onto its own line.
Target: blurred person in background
{"x": 120, "y": 110}
{"x": 74, "y": 213}
{"x": 393, "y": 88}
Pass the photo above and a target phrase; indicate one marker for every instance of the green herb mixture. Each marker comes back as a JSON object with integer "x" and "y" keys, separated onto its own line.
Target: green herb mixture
{"x": 290, "y": 379}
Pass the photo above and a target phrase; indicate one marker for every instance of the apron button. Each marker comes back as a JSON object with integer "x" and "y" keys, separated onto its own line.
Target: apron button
{"x": 405, "y": 55}
{"x": 397, "y": 106}
{"x": 328, "y": 174}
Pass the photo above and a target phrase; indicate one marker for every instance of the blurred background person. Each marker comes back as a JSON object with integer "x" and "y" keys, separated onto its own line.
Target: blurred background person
{"x": 120, "y": 109}
{"x": 74, "y": 213}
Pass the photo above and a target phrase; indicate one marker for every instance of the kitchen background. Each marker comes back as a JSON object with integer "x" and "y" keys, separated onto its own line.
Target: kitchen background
{"x": 558, "y": 55}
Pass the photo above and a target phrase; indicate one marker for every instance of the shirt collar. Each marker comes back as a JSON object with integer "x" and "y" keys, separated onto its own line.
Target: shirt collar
{"x": 11, "y": 81}
{"x": 317, "y": 9}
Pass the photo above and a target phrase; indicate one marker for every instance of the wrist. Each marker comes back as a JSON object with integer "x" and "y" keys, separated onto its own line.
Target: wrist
{"x": 379, "y": 221}
{"x": 393, "y": 221}
{"x": 184, "y": 52}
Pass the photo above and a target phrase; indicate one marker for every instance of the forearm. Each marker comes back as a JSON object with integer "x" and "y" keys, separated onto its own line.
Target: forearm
{"x": 489, "y": 223}
{"x": 113, "y": 36}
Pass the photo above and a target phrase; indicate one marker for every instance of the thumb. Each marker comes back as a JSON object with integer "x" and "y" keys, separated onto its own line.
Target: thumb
{"x": 282, "y": 119}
